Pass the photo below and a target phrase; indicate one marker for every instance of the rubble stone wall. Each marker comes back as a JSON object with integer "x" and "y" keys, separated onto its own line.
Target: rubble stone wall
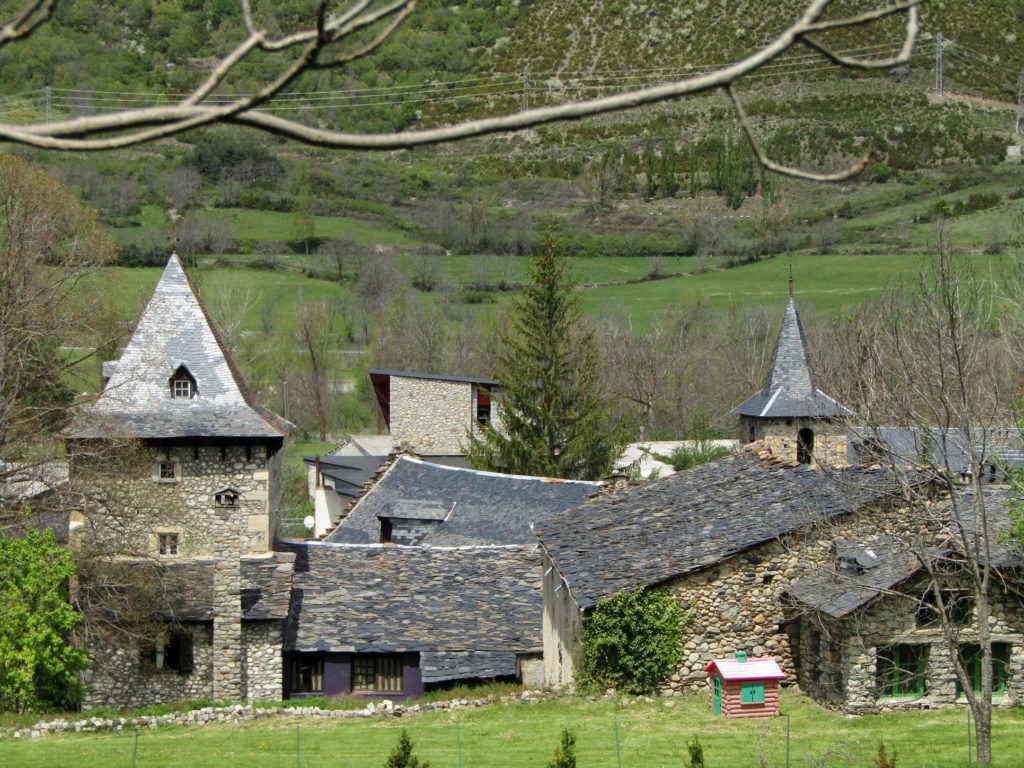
{"x": 431, "y": 416}
{"x": 262, "y": 661}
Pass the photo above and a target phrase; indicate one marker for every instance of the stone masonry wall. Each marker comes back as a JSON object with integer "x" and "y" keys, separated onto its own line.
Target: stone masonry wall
{"x": 737, "y": 603}
{"x": 262, "y": 663}
{"x": 119, "y": 676}
{"x": 843, "y": 674}
{"x": 780, "y": 437}
{"x": 431, "y": 416}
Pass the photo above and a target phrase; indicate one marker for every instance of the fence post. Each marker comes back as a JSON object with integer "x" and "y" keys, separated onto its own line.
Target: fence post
{"x": 298, "y": 749}
{"x": 969, "y": 761}
{"x": 787, "y": 741}
{"x": 458, "y": 742}
{"x": 618, "y": 753}
{"x": 135, "y": 750}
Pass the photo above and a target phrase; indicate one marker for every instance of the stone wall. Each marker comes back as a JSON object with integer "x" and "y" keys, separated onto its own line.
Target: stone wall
{"x": 780, "y": 437}
{"x": 262, "y": 661}
{"x": 737, "y": 603}
{"x": 432, "y": 416}
{"x": 119, "y": 675}
{"x": 838, "y": 658}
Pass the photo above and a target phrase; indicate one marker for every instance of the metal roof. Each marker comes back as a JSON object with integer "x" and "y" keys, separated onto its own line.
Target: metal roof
{"x": 760, "y": 668}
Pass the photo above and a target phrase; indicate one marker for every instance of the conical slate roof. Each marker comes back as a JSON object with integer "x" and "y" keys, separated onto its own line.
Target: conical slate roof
{"x": 174, "y": 332}
{"x": 789, "y": 390}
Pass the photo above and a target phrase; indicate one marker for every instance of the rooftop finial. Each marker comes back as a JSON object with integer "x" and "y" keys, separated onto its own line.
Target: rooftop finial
{"x": 791, "y": 279}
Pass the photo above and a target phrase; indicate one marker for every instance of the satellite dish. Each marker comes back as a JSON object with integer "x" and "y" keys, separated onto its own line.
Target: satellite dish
{"x": 309, "y": 522}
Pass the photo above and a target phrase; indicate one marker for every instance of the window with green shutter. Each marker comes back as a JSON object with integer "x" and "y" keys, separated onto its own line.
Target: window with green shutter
{"x": 752, "y": 693}
{"x": 901, "y": 670}
{"x": 970, "y": 654}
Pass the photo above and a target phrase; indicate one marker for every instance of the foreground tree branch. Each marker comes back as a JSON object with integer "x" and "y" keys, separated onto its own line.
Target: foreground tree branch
{"x": 323, "y": 46}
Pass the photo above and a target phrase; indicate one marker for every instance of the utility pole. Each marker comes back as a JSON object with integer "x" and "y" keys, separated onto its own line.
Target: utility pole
{"x": 938, "y": 64}
{"x": 526, "y": 87}
{"x": 1020, "y": 105}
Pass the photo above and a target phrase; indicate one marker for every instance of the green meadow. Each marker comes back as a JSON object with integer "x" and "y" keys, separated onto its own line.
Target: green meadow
{"x": 650, "y": 735}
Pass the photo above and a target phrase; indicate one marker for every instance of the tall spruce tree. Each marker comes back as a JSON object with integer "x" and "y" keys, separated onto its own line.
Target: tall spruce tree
{"x": 553, "y": 420}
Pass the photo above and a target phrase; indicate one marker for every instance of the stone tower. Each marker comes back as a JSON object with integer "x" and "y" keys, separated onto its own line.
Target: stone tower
{"x": 795, "y": 419}
{"x": 212, "y": 487}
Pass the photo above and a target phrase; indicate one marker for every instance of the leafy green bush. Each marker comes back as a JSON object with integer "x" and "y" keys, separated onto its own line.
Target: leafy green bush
{"x": 696, "y": 751}
{"x": 633, "y": 640}
{"x": 38, "y": 665}
{"x": 565, "y": 753}
{"x": 402, "y": 757}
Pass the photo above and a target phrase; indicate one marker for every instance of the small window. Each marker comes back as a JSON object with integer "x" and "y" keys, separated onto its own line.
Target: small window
{"x": 377, "y": 674}
{"x": 768, "y": 578}
{"x": 183, "y": 386}
{"x": 483, "y": 404}
{"x": 901, "y": 670}
{"x": 173, "y": 653}
{"x": 752, "y": 693}
{"x": 227, "y": 497}
{"x": 386, "y": 531}
{"x": 307, "y": 674}
{"x": 970, "y": 655}
{"x": 167, "y": 471}
{"x": 959, "y": 608}
{"x": 167, "y": 544}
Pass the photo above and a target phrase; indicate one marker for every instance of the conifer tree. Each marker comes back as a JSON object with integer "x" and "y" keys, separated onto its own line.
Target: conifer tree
{"x": 553, "y": 420}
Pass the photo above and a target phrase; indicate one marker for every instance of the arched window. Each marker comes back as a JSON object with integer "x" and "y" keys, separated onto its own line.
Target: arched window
{"x": 183, "y": 385}
{"x": 805, "y": 446}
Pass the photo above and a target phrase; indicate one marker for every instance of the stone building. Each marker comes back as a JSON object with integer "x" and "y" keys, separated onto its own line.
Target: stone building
{"x": 206, "y": 502}
{"x": 869, "y": 634}
{"x": 432, "y": 414}
{"x": 726, "y": 537}
{"x": 792, "y": 417}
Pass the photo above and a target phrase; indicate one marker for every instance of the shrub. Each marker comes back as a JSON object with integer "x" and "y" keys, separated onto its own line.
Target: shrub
{"x": 883, "y": 760}
{"x": 633, "y": 640}
{"x": 565, "y": 753}
{"x": 689, "y": 456}
{"x": 402, "y": 757}
{"x": 696, "y": 751}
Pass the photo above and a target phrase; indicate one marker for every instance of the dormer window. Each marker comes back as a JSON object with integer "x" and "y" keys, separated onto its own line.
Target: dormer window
{"x": 183, "y": 385}
{"x": 227, "y": 497}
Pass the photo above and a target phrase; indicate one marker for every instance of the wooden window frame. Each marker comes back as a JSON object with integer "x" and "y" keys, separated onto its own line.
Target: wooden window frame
{"x": 970, "y": 655}
{"x": 378, "y": 673}
{"x": 314, "y": 664}
{"x": 901, "y": 671}
{"x": 168, "y": 543}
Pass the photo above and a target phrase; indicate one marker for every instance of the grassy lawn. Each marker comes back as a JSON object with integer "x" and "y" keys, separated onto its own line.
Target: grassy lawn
{"x": 278, "y": 226}
{"x": 520, "y": 736}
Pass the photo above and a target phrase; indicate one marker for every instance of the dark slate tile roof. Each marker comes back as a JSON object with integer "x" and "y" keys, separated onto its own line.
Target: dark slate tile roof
{"x": 347, "y": 474}
{"x": 175, "y": 331}
{"x": 481, "y": 507}
{"x": 942, "y": 448}
{"x": 389, "y": 599}
{"x": 789, "y": 388}
{"x": 996, "y": 503}
{"x": 438, "y": 667}
{"x": 654, "y": 532}
{"x": 841, "y": 589}
{"x": 381, "y": 372}
{"x": 265, "y": 594}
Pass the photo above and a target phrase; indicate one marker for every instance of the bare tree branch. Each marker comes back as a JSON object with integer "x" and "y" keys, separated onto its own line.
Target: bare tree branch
{"x": 114, "y": 130}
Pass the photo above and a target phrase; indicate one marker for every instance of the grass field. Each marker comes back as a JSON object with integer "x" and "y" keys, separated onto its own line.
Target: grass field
{"x": 651, "y": 735}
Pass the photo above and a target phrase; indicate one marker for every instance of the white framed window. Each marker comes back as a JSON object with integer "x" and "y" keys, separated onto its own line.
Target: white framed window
{"x": 166, "y": 471}
{"x": 167, "y": 544}
{"x": 183, "y": 385}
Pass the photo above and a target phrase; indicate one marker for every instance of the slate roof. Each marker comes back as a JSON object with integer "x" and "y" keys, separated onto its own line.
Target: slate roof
{"x": 265, "y": 594}
{"x": 347, "y": 475}
{"x": 941, "y": 448}
{"x": 789, "y": 389}
{"x": 652, "y": 533}
{"x": 481, "y": 507}
{"x": 472, "y": 607}
{"x": 839, "y": 592}
{"x": 175, "y": 331}
{"x": 884, "y": 563}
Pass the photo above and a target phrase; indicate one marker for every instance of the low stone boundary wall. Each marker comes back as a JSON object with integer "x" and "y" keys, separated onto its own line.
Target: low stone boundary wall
{"x": 247, "y": 712}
